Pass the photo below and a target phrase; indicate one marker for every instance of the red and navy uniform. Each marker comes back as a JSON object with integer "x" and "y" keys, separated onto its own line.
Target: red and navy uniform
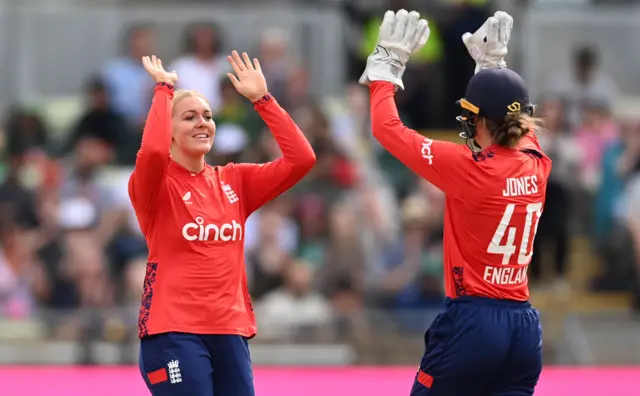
{"x": 196, "y": 310}
{"x": 488, "y": 338}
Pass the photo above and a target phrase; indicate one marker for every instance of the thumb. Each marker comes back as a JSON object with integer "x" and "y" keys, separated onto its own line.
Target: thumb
{"x": 470, "y": 43}
{"x": 466, "y": 39}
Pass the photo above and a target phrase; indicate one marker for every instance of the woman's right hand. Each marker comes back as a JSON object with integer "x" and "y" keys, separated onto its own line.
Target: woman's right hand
{"x": 153, "y": 66}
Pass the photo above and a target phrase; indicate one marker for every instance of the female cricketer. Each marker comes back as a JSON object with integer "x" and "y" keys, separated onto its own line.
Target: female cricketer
{"x": 196, "y": 314}
{"x": 488, "y": 340}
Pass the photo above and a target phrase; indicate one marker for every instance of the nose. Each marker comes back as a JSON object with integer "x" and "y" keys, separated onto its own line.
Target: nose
{"x": 201, "y": 122}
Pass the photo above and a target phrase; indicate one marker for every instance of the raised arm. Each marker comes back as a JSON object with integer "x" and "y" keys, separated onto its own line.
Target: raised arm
{"x": 263, "y": 182}
{"x": 153, "y": 157}
{"x": 441, "y": 163}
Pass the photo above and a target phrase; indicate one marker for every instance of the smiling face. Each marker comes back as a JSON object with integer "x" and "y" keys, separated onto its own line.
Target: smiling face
{"x": 193, "y": 128}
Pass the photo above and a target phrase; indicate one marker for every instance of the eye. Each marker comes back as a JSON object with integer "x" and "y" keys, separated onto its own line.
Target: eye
{"x": 190, "y": 117}
{"x": 208, "y": 117}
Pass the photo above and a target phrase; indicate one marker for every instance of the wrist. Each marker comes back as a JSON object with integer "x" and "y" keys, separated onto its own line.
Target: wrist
{"x": 261, "y": 99}
{"x": 165, "y": 84}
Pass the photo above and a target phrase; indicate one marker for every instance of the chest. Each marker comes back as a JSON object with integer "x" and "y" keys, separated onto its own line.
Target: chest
{"x": 204, "y": 209}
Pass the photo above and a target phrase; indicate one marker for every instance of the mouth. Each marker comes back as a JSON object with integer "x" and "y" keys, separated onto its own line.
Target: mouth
{"x": 201, "y": 136}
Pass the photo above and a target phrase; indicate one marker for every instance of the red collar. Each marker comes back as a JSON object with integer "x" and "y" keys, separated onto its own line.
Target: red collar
{"x": 179, "y": 170}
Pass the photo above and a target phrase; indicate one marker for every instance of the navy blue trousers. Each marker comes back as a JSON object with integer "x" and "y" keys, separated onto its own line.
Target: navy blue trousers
{"x": 180, "y": 364}
{"x": 481, "y": 347}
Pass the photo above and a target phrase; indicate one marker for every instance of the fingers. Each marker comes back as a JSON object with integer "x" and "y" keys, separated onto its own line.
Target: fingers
{"x": 256, "y": 64}
{"x": 505, "y": 26}
{"x": 421, "y": 35}
{"x": 234, "y": 64}
{"x": 152, "y": 63}
{"x": 146, "y": 63}
{"x": 412, "y": 22}
{"x": 233, "y": 79}
{"x": 238, "y": 61}
{"x": 401, "y": 20}
{"x": 247, "y": 61}
{"x": 493, "y": 32}
{"x": 386, "y": 28}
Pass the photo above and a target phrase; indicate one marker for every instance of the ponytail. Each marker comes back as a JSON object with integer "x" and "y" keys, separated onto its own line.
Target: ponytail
{"x": 512, "y": 129}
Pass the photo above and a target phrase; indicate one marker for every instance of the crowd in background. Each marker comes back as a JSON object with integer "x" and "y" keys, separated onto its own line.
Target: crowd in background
{"x": 360, "y": 232}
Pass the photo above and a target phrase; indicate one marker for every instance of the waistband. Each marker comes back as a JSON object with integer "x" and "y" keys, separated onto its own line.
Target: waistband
{"x": 492, "y": 302}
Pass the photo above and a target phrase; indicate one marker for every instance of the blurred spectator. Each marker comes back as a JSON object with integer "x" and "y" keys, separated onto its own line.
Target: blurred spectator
{"x": 333, "y": 172}
{"x": 25, "y": 131}
{"x": 236, "y": 110}
{"x": 84, "y": 202}
{"x": 87, "y": 286}
{"x": 350, "y": 128}
{"x": 294, "y": 311}
{"x": 101, "y": 122}
{"x": 418, "y": 102}
{"x": 345, "y": 255}
{"x": 16, "y": 199}
{"x": 202, "y": 65}
{"x": 231, "y": 142}
{"x": 414, "y": 267}
{"x": 587, "y": 83}
{"x": 618, "y": 214}
{"x": 553, "y": 229}
{"x": 129, "y": 85}
{"x": 270, "y": 249}
{"x": 277, "y": 64}
{"x": 460, "y": 17}
{"x": 21, "y": 278}
{"x": 597, "y": 131}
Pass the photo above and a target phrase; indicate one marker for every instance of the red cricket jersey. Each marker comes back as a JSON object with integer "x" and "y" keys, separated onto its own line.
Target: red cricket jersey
{"x": 194, "y": 224}
{"x": 493, "y": 201}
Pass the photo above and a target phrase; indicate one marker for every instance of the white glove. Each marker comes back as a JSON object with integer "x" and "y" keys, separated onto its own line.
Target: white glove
{"x": 401, "y": 34}
{"x": 490, "y": 53}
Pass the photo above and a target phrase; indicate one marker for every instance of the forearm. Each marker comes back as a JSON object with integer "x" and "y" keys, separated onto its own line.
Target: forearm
{"x": 154, "y": 154}
{"x": 156, "y": 137}
{"x": 295, "y": 148}
{"x": 386, "y": 125}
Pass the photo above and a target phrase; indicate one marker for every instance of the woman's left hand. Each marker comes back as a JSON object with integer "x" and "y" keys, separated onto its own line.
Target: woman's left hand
{"x": 248, "y": 79}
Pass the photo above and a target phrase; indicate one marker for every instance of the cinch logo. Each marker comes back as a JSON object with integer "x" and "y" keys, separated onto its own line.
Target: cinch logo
{"x": 426, "y": 150}
{"x": 199, "y": 231}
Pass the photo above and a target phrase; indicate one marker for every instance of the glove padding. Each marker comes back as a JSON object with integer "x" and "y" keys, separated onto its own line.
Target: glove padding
{"x": 488, "y": 45}
{"x": 401, "y": 34}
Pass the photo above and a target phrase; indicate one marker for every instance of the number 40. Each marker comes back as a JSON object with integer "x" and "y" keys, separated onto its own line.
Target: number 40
{"x": 508, "y": 249}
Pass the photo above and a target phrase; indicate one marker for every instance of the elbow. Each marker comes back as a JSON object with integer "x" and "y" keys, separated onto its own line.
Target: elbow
{"x": 303, "y": 163}
{"x": 307, "y": 161}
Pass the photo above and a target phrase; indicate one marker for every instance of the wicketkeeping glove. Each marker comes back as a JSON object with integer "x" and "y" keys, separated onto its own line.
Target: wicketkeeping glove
{"x": 488, "y": 45}
{"x": 401, "y": 34}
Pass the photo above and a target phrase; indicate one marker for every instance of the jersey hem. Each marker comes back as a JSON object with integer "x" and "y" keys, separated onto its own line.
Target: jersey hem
{"x": 197, "y": 330}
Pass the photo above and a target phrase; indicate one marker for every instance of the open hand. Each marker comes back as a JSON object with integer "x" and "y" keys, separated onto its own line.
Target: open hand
{"x": 153, "y": 66}
{"x": 248, "y": 79}
{"x": 488, "y": 45}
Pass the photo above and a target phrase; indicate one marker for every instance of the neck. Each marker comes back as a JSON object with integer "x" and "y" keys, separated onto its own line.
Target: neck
{"x": 192, "y": 163}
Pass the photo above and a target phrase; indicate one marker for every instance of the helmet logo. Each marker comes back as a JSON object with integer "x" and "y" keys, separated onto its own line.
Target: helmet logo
{"x": 514, "y": 108}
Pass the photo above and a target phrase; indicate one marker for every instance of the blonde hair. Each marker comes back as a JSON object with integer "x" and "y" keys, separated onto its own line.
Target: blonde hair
{"x": 512, "y": 129}
{"x": 186, "y": 93}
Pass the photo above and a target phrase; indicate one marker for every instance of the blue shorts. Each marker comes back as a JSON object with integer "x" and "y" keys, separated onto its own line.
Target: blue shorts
{"x": 176, "y": 364}
{"x": 481, "y": 347}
